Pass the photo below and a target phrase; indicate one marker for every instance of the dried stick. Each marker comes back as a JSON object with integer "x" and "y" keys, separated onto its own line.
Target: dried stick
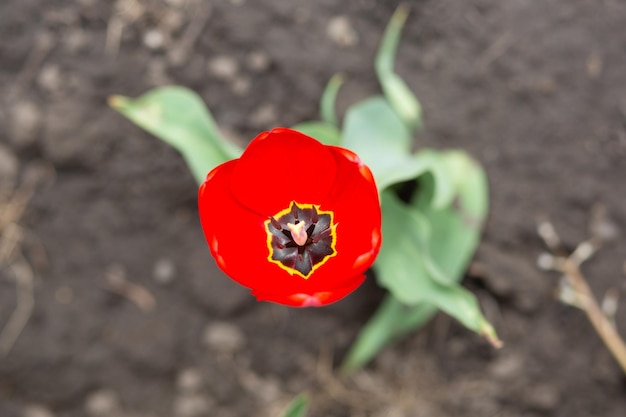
{"x": 116, "y": 282}
{"x": 24, "y": 278}
{"x": 584, "y": 299}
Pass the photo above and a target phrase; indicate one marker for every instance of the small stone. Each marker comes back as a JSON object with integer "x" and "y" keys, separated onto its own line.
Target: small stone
{"x": 258, "y": 61}
{"x": 153, "y": 39}
{"x": 264, "y": 116}
{"x": 76, "y": 40}
{"x": 189, "y": 381}
{"x": 506, "y": 367}
{"x": 269, "y": 391}
{"x": 223, "y": 67}
{"x": 192, "y": 406}
{"x": 37, "y": 411}
{"x": 102, "y": 403}
{"x": 223, "y": 337}
{"x": 543, "y": 397}
{"x": 340, "y": 31}
{"x": 173, "y": 21}
{"x": 164, "y": 271}
{"x": 25, "y": 123}
{"x": 241, "y": 86}
{"x": 50, "y": 79}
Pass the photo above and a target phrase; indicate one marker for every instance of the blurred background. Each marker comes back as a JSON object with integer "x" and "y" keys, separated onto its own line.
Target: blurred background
{"x": 110, "y": 304}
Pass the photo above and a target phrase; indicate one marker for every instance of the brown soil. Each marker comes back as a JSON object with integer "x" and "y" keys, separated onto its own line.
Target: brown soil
{"x": 535, "y": 90}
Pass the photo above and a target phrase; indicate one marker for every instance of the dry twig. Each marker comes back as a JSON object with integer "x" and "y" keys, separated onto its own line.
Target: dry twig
{"x": 24, "y": 280}
{"x": 12, "y": 236}
{"x": 576, "y": 290}
{"x": 116, "y": 282}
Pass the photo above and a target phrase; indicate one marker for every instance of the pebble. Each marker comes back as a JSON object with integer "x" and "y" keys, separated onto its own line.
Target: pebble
{"x": 543, "y": 397}
{"x": 223, "y": 337}
{"x": 223, "y": 67}
{"x": 192, "y": 406}
{"x": 241, "y": 86}
{"x": 164, "y": 271}
{"x": 37, "y": 411}
{"x": 153, "y": 39}
{"x": 102, "y": 403}
{"x": 340, "y": 31}
{"x": 25, "y": 123}
{"x": 507, "y": 366}
{"x": 189, "y": 381}
{"x": 50, "y": 79}
{"x": 173, "y": 21}
{"x": 258, "y": 61}
{"x": 264, "y": 116}
{"x": 76, "y": 40}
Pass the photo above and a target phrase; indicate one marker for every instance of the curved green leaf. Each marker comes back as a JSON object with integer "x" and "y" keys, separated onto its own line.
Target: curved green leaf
{"x": 179, "y": 117}
{"x": 455, "y": 229}
{"x": 298, "y": 407}
{"x": 396, "y": 91}
{"x": 327, "y": 103}
{"x": 391, "y": 321}
{"x": 376, "y": 133}
{"x": 408, "y": 268}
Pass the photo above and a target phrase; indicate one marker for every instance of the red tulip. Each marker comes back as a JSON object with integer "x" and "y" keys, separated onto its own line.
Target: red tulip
{"x": 296, "y": 221}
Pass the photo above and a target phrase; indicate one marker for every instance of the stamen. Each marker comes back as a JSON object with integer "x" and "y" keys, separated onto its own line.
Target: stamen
{"x": 294, "y": 210}
{"x": 321, "y": 235}
{"x": 314, "y": 216}
{"x": 298, "y": 233}
{"x": 275, "y": 223}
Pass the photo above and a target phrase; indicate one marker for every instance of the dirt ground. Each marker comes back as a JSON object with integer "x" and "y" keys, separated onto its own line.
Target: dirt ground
{"x": 535, "y": 90}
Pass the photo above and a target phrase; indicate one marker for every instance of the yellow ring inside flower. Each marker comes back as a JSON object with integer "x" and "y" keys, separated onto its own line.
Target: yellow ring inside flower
{"x": 315, "y": 248}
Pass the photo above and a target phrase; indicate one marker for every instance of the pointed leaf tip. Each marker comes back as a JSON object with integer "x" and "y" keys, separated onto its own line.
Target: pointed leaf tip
{"x": 297, "y": 407}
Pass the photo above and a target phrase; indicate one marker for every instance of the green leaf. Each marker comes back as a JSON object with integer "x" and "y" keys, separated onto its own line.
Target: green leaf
{"x": 391, "y": 321}
{"x": 397, "y": 92}
{"x": 322, "y": 131}
{"x": 439, "y": 188}
{"x": 298, "y": 407}
{"x": 455, "y": 229}
{"x": 327, "y": 104}
{"x": 179, "y": 117}
{"x": 406, "y": 267}
{"x": 376, "y": 133}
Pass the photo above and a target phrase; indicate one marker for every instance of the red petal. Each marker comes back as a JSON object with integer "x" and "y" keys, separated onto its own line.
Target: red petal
{"x": 317, "y": 299}
{"x": 238, "y": 240}
{"x": 280, "y": 167}
{"x": 354, "y": 201}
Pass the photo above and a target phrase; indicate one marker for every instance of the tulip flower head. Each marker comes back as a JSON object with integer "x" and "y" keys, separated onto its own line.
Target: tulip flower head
{"x": 296, "y": 221}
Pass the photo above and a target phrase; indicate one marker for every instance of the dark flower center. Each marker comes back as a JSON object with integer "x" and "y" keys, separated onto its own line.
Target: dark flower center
{"x": 301, "y": 238}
